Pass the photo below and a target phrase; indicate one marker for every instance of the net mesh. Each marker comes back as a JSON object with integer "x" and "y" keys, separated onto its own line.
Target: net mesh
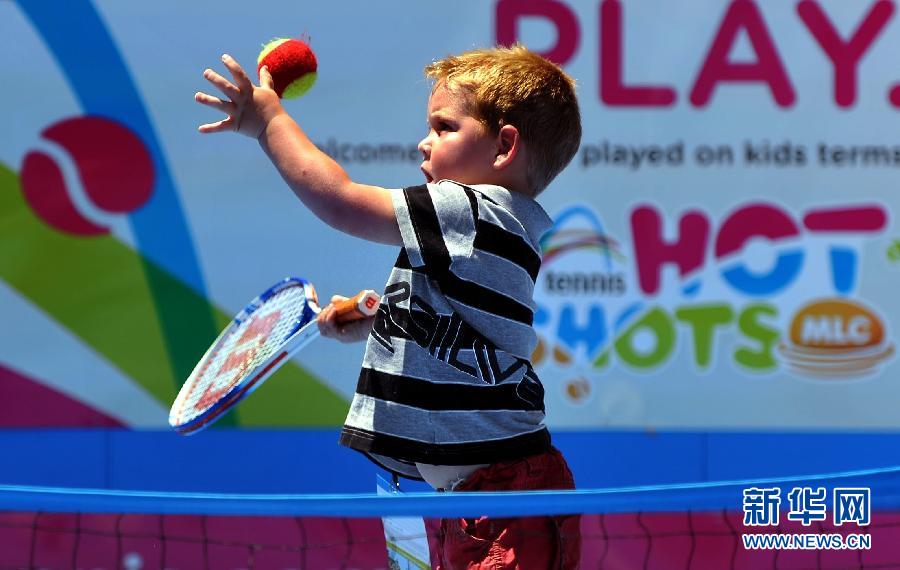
{"x": 688, "y": 527}
{"x": 75, "y": 540}
{"x": 239, "y": 351}
{"x": 703, "y": 540}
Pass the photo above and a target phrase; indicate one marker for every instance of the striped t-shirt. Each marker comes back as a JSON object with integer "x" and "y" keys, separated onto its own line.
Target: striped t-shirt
{"x": 446, "y": 378}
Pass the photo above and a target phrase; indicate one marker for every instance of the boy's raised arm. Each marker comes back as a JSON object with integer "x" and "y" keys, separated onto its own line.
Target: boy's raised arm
{"x": 320, "y": 182}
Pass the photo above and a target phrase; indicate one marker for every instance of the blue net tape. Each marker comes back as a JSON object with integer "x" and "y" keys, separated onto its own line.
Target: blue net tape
{"x": 884, "y": 484}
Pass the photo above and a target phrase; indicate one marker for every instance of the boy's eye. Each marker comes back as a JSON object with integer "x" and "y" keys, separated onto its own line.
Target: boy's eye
{"x": 442, "y": 126}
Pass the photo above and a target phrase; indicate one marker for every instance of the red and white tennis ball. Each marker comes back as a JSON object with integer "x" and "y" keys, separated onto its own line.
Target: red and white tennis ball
{"x": 115, "y": 174}
{"x": 292, "y": 64}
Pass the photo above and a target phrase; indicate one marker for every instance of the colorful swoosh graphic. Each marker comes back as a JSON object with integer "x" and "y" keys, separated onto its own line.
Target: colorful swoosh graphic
{"x": 97, "y": 288}
{"x": 144, "y": 313}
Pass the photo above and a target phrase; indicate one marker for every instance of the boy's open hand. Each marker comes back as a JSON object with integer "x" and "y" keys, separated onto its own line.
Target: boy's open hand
{"x": 249, "y": 108}
{"x": 353, "y": 331}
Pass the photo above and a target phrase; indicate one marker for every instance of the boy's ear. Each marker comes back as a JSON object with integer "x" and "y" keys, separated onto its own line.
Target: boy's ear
{"x": 509, "y": 143}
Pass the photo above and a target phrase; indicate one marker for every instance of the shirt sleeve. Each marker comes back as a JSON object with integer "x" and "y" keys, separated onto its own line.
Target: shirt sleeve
{"x": 437, "y": 223}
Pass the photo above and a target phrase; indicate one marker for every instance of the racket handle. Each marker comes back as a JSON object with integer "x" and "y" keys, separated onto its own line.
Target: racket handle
{"x": 362, "y": 305}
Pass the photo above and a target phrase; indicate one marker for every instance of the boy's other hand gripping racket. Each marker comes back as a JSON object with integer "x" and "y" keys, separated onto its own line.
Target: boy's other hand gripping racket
{"x": 262, "y": 337}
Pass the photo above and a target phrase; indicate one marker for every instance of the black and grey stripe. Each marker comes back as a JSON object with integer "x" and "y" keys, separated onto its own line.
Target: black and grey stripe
{"x": 437, "y": 260}
{"x": 446, "y": 377}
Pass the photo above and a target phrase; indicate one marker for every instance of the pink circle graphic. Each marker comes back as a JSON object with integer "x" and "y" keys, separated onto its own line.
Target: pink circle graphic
{"x": 115, "y": 169}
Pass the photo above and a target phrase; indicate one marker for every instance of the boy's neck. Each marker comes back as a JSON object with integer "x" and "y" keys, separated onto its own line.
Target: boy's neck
{"x": 514, "y": 177}
{"x": 514, "y": 180}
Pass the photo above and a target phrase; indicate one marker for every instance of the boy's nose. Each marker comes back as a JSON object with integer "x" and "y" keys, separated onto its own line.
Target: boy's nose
{"x": 425, "y": 147}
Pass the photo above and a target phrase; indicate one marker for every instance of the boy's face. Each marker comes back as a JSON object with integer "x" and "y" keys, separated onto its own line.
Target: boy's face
{"x": 457, "y": 146}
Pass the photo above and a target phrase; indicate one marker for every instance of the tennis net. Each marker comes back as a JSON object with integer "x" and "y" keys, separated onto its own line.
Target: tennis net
{"x": 690, "y": 526}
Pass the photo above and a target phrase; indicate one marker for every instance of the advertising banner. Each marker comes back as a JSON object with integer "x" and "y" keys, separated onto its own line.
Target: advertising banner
{"x": 725, "y": 251}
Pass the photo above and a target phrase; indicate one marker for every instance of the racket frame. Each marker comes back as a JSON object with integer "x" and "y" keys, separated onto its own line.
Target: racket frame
{"x": 304, "y": 331}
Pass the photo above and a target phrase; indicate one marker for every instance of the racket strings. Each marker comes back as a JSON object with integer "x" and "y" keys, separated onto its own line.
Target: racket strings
{"x": 242, "y": 349}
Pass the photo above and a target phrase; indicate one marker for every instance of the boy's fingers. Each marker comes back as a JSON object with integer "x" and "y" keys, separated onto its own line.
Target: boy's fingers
{"x": 240, "y": 77}
{"x": 326, "y": 323}
{"x": 217, "y": 127}
{"x": 326, "y": 315}
{"x": 337, "y": 299}
{"x": 344, "y": 332}
{"x": 214, "y": 102}
{"x": 265, "y": 78}
{"x": 222, "y": 84}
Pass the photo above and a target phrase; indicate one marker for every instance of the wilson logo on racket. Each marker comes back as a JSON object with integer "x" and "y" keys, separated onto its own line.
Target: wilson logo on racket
{"x": 247, "y": 348}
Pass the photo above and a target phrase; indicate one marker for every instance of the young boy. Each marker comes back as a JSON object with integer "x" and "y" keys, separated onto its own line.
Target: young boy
{"x": 447, "y": 392}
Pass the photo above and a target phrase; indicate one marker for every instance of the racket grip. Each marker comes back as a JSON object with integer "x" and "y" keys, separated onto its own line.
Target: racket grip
{"x": 362, "y": 305}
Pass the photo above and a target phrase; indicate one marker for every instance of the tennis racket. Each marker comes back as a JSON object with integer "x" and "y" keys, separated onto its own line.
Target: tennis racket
{"x": 262, "y": 337}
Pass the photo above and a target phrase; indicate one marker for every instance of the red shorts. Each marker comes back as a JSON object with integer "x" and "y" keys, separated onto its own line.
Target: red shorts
{"x": 524, "y": 543}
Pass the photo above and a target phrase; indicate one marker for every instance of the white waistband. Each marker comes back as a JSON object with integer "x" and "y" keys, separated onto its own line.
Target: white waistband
{"x": 446, "y": 477}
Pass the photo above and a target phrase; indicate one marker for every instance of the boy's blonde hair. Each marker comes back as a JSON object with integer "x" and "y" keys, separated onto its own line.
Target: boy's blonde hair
{"x": 515, "y": 86}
